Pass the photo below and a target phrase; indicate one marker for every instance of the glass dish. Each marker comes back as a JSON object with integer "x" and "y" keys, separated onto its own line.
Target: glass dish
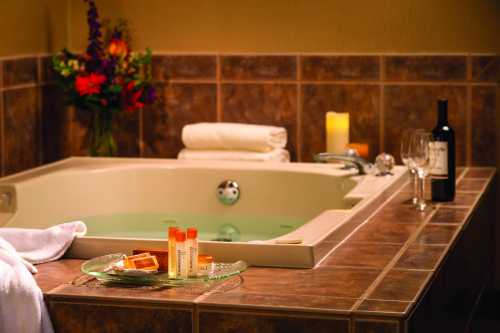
{"x": 101, "y": 269}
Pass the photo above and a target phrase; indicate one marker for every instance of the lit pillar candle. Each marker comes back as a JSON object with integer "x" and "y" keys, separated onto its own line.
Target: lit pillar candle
{"x": 337, "y": 132}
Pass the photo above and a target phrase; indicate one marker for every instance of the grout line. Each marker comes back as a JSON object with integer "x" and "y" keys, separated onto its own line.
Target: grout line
{"x": 284, "y": 310}
{"x": 326, "y": 54}
{"x": 448, "y": 206}
{"x": 261, "y": 54}
{"x": 71, "y": 115}
{"x": 141, "y": 132}
{"x": 455, "y": 224}
{"x": 219, "y": 115}
{"x": 468, "y": 115}
{"x": 21, "y": 86}
{"x": 382, "y": 243}
{"x": 336, "y": 82}
{"x": 192, "y": 81}
{"x": 379, "y": 320}
{"x": 483, "y": 83}
{"x": 231, "y": 81}
{"x": 395, "y": 301}
{"x": 214, "y": 290}
{"x": 20, "y": 56}
{"x": 362, "y": 267}
{"x": 39, "y": 113}
{"x": 298, "y": 120}
{"x": 468, "y": 191}
{"x": 381, "y": 134}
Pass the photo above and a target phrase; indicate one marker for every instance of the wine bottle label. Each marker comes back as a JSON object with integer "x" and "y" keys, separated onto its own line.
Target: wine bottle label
{"x": 439, "y": 159}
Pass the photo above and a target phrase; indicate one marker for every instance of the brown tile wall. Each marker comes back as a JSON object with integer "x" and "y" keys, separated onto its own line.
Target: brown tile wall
{"x": 383, "y": 93}
{"x": 20, "y": 113}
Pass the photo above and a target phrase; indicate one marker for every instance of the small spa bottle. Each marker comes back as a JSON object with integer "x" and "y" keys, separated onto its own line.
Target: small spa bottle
{"x": 180, "y": 253}
{"x": 172, "y": 263}
{"x": 192, "y": 252}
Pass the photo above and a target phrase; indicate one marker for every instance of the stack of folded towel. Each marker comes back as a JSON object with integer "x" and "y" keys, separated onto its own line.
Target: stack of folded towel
{"x": 236, "y": 142}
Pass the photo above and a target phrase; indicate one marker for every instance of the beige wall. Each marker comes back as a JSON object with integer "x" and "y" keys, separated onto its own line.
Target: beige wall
{"x": 303, "y": 25}
{"x": 32, "y": 26}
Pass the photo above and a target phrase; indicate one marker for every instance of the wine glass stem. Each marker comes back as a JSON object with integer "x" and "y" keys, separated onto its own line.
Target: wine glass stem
{"x": 421, "y": 204}
{"x": 414, "y": 199}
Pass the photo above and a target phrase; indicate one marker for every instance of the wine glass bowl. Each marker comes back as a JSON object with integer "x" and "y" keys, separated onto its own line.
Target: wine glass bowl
{"x": 420, "y": 155}
{"x": 405, "y": 144}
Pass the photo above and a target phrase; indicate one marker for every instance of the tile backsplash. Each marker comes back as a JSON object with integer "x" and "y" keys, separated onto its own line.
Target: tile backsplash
{"x": 383, "y": 93}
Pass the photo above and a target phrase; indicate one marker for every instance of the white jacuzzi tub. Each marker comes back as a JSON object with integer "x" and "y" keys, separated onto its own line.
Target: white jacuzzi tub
{"x": 129, "y": 203}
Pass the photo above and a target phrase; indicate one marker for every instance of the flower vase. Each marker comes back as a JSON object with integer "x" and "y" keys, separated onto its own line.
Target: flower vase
{"x": 102, "y": 142}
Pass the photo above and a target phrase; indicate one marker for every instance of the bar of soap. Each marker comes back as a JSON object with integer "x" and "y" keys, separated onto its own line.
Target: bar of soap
{"x": 145, "y": 263}
{"x": 160, "y": 254}
{"x": 128, "y": 261}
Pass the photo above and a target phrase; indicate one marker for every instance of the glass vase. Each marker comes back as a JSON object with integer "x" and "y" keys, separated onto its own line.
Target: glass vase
{"x": 102, "y": 142}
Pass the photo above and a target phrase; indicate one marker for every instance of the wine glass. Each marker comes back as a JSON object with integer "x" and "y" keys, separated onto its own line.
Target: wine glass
{"x": 421, "y": 157}
{"x": 405, "y": 158}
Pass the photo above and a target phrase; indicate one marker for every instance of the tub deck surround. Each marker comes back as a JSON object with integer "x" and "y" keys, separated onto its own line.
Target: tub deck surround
{"x": 322, "y": 205}
{"x": 395, "y": 273}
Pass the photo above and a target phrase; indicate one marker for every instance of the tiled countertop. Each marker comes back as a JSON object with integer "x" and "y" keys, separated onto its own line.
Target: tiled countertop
{"x": 379, "y": 270}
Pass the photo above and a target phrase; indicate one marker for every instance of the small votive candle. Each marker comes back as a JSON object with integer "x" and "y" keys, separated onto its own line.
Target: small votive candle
{"x": 362, "y": 149}
{"x": 337, "y": 132}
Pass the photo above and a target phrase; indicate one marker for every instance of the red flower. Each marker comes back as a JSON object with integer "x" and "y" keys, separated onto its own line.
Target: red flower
{"x": 130, "y": 98}
{"x": 89, "y": 84}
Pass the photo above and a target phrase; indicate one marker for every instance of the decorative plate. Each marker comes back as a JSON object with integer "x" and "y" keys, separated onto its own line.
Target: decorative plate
{"x": 102, "y": 269}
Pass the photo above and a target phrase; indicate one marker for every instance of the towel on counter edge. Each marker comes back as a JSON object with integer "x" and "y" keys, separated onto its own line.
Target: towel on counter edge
{"x": 233, "y": 136}
{"x": 38, "y": 246}
{"x": 276, "y": 155}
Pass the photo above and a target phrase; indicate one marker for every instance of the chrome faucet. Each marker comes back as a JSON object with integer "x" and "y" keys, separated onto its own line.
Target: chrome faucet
{"x": 351, "y": 159}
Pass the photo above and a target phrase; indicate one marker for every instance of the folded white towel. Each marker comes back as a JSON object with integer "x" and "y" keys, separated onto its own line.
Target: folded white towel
{"x": 22, "y": 308}
{"x": 276, "y": 155}
{"x": 232, "y": 136}
{"x": 39, "y": 246}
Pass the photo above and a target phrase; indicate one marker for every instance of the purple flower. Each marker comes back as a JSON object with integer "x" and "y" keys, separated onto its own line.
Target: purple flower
{"x": 108, "y": 67}
{"x": 94, "y": 48}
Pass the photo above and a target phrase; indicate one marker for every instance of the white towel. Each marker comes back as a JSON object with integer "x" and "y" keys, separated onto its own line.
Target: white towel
{"x": 276, "y": 155}
{"x": 39, "y": 246}
{"x": 22, "y": 308}
{"x": 232, "y": 136}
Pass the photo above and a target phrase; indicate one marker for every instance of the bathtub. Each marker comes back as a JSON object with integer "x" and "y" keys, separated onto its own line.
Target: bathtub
{"x": 286, "y": 212}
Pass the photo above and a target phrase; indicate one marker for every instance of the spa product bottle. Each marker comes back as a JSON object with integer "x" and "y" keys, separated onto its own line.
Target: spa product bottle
{"x": 180, "y": 253}
{"x": 443, "y": 149}
{"x": 192, "y": 252}
{"x": 172, "y": 263}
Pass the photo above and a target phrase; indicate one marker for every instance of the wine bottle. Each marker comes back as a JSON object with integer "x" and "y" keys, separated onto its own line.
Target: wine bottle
{"x": 443, "y": 148}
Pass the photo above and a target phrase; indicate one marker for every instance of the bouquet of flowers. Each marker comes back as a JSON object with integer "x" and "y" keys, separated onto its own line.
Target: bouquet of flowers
{"x": 107, "y": 79}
